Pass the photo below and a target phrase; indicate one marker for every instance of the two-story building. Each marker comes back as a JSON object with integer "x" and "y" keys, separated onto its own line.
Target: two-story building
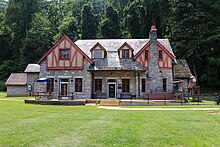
{"x": 108, "y": 68}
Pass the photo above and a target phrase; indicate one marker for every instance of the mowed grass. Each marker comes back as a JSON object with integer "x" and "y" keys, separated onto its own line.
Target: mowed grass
{"x": 37, "y": 125}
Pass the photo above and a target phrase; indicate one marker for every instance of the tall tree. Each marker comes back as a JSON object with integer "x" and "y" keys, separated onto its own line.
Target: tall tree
{"x": 110, "y": 27}
{"x": 89, "y": 23}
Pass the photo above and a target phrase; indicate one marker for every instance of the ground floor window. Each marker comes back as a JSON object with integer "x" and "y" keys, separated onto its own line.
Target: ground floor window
{"x": 125, "y": 85}
{"x": 98, "y": 85}
{"x": 143, "y": 81}
{"x": 50, "y": 85}
{"x": 78, "y": 84}
{"x": 164, "y": 85}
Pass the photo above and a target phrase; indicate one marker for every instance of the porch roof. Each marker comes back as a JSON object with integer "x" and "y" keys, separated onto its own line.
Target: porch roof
{"x": 181, "y": 69}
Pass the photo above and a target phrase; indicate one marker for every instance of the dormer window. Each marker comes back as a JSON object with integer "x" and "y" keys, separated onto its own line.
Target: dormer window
{"x": 65, "y": 54}
{"x": 125, "y": 53}
{"x": 97, "y": 53}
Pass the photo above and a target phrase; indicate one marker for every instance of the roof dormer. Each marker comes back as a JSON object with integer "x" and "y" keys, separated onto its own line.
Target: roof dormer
{"x": 125, "y": 51}
{"x": 97, "y": 51}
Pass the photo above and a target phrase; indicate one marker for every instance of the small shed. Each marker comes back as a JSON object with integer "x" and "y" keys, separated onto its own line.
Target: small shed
{"x": 182, "y": 72}
{"x": 17, "y": 84}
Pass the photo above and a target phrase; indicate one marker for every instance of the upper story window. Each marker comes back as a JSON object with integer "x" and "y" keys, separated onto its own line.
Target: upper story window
{"x": 97, "y": 53}
{"x": 160, "y": 54}
{"x": 146, "y": 54}
{"x": 64, "y": 53}
{"x": 125, "y": 53}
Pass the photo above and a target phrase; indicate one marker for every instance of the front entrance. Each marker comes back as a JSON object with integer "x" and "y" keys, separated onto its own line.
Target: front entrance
{"x": 64, "y": 87}
{"x": 112, "y": 90}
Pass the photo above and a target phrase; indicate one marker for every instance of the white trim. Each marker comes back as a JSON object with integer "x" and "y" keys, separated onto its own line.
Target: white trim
{"x": 112, "y": 78}
{"x": 98, "y": 77}
{"x": 78, "y": 77}
{"x": 64, "y": 77}
{"x": 50, "y": 77}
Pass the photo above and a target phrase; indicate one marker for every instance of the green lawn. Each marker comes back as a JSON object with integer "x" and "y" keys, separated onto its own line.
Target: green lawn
{"x": 36, "y": 125}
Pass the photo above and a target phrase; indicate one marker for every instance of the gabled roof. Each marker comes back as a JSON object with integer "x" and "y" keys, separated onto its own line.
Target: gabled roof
{"x": 97, "y": 44}
{"x": 17, "y": 79}
{"x": 58, "y": 42}
{"x": 32, "y": 68}
{"x": 126, "y": 44}
{"x": 181, "y": 69}
{"x": 114, "y": 44}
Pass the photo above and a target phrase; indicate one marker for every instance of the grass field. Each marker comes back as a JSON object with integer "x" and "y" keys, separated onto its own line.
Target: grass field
{"x": 36, "y": 125}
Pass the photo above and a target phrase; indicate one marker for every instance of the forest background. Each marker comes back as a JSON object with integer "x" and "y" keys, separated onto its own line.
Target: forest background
{"x": 28, "y": 28}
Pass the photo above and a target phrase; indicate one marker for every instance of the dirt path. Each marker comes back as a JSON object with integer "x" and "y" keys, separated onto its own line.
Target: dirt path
{"x": 163, "y": 109}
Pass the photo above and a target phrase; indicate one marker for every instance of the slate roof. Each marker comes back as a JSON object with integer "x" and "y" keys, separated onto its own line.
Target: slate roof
{"x": 112, "y": 61}
{"x": 181, "y": 69}
{"x": 17, "y": 79}
{"x": 32, "y": 68}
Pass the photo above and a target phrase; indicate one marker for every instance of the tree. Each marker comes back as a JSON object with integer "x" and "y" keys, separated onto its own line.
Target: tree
{"x": 89, "y": 24}
{"x": 110, "y": 27}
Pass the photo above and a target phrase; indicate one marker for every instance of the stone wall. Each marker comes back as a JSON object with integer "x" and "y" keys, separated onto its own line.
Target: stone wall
{"x": 70, "y": 75}
{"x": 118, "y": 76}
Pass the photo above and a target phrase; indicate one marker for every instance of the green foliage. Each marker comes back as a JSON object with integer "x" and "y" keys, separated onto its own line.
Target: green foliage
{"x": 29, "y": 28}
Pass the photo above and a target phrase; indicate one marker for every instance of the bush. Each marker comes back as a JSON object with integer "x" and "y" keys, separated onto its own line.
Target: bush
{"x": 2, "y": 86}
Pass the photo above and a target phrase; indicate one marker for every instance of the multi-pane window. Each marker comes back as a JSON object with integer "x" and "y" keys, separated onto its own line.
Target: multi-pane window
{"x": 143, "y": 81}
{"x": 125, "y": 85}
{"x": 64, "y": 53}
{"x": 98, "y": 85}
{"x": 50, "y": 85}
{"x": 97, "y": 53}
{"x": 160, "y": 54}
{"x": 78, "y": 84}
{"x": 125, "y": 53}
{"x": 146, "y": 54}
{"x": 164, "y": 85}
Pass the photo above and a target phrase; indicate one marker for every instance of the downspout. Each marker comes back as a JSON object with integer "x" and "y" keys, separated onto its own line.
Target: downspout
{"x": 139, "y": 84}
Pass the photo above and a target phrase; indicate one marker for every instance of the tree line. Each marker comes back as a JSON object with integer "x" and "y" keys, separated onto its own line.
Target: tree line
{"x": 28, "y": 28}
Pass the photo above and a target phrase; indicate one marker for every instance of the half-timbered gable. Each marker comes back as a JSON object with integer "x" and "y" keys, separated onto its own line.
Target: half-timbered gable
{"x": 65, "y": 55}
{"x": 165, "y": 58}
{"x": 143, "y": 56}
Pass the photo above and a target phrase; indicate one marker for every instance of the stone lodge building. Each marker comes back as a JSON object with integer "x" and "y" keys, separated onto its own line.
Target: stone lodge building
{"x": 108, "y": 68}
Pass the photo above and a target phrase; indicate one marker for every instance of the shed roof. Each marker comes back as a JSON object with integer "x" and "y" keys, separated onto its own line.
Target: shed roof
{"x": 181, "y": 69}
{"x": 17, "y": 79}
{"x": 32, "y": 68}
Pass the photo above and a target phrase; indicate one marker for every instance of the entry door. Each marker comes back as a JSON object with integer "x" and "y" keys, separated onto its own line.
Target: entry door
{"x": 64, "y": 88}
{"x": 112, "y": 90}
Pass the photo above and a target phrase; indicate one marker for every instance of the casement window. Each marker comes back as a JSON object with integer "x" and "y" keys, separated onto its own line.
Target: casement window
{"x": 64, "y": 54}
{"x": 125, "y": 85}
{"x": 160, "y": 54}
{"x": 97, "y": 53}
{"x": 78, "y": 84}
{"x": 98, "y": 85}
{"x": 50, "y": 85}
{"x": 146, "y": 54}
{"x": 143, "y": 81}
{"x": 125, "y": 53}
{"x": 164, "y": 85}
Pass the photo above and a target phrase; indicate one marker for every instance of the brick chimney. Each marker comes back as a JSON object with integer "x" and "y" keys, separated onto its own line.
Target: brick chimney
{"x": 154, "y": 72}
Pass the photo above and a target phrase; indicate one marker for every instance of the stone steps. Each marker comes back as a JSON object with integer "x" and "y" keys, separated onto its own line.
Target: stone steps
{"x": 109, "y": 103}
